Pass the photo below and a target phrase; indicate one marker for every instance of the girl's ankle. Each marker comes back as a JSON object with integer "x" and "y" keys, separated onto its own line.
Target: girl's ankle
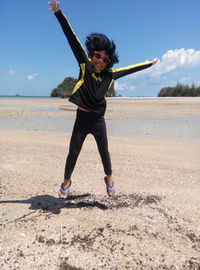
{"x": 66, "y": 183}
{"x": 109, "y": 180}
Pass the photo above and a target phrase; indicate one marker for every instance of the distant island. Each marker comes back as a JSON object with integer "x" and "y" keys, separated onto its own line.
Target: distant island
{"x": 180, "y": 90}
{"x": 64, "y": 89}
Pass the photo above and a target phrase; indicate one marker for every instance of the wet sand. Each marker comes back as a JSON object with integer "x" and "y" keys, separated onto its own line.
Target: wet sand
{"x": 152, "y": 223}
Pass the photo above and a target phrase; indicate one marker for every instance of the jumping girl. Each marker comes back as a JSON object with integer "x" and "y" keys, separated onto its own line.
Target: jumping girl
{"x": 95, "y": 78}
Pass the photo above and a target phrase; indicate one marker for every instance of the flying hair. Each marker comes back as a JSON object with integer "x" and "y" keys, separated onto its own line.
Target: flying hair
{"x": 100, "y": 42}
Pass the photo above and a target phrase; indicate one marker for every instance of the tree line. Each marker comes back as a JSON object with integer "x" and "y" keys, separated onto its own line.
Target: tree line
{"x": 180, "y": 90}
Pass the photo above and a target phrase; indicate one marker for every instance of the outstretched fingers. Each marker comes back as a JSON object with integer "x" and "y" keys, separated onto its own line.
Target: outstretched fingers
{"x": 54, "y": 5}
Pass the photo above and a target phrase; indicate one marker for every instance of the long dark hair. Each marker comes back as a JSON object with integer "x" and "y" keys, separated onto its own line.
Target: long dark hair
{"x": 100, "y": 42}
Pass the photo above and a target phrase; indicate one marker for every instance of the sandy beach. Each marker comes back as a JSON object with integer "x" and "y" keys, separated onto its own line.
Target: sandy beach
{"x": 153, "y": 223}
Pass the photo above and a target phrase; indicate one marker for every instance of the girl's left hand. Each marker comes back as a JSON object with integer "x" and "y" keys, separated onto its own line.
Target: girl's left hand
{"x": 155, "y": 61}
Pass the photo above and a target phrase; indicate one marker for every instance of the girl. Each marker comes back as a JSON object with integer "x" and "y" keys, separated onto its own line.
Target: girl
{"x": 95, "y": 78}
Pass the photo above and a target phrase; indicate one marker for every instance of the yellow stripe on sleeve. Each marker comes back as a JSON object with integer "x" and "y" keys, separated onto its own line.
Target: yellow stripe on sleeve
{"x": 131, "y": 66}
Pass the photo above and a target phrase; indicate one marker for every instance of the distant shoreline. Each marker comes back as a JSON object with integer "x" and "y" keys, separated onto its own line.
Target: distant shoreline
{"x": 110, "y": 98}
{"x": 18, "y": 96}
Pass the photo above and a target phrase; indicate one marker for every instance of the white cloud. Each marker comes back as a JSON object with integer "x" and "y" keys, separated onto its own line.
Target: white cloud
{"x": 123, "y": 86}
{"x": 32, "y": 76}
{"x": 176, "y": 60}
{"x": 12, "y": 72}
{"x": 172, "y": 60}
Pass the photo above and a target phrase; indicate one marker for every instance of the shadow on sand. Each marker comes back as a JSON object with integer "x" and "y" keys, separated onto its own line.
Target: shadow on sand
{"x": 54, "y": 205}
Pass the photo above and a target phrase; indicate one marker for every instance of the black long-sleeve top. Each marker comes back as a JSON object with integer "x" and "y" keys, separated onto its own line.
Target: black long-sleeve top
{"x": 90, "y": 89}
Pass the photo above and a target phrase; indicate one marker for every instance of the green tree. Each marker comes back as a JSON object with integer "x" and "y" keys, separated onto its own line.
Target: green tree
{"x": 180, "y": 90}
{"x": 64, "y": 89}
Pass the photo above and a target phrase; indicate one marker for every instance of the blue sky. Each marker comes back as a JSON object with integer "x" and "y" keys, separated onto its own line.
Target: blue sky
{"x": 35, "y": 56}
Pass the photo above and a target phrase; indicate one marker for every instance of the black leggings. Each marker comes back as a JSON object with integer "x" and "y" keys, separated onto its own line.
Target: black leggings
{"x": 87, "y": 122}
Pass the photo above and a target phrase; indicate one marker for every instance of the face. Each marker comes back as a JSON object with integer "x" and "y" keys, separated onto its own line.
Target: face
{"x": 100, "y": 61}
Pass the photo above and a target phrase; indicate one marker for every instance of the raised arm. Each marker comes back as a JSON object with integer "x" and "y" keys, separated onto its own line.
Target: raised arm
{"x": 74, "y": 43}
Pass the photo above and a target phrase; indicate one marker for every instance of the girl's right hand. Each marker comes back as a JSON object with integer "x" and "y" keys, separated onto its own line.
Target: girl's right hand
{"x": 54, "y": 5}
